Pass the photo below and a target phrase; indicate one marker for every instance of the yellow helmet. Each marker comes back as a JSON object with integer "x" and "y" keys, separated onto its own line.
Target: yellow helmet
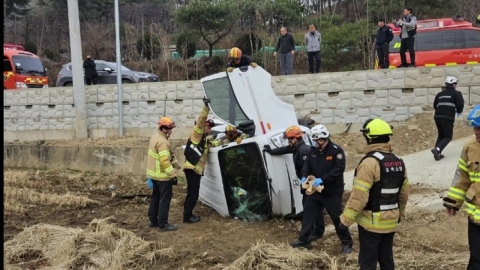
{"x": 235, "y": 53}
{"x": 230, "y": 128}
{"x": 374, "y": 128}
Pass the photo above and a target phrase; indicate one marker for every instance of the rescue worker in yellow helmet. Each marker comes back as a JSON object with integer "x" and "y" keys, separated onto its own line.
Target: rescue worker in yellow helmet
{"x": 378, "y": 198}
{"x": 466, "y": 188}
{"x": 161, "y": 175}
{"x": 237, "y": 59}
{"x": 231, "y": 135}
{"x": 196, "y": 152}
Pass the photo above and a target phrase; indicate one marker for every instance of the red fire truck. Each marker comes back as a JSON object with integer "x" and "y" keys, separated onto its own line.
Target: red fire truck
{"x": 22, "y": 69}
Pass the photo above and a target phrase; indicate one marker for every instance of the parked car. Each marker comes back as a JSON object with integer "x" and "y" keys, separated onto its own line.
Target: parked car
{"x": 106, "y": 74}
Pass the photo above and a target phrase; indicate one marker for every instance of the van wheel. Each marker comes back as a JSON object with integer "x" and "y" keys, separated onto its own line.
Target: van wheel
{"x": 68, "y": 84}
{"x": 126, "y": 81}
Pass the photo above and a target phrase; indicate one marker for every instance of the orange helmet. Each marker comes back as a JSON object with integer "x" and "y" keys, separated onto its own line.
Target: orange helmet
{"x": 293, "y": 132}
{"x": 230, "y": 128}
{"x": 166, "y": 122}
{"x": 235, "y": 53}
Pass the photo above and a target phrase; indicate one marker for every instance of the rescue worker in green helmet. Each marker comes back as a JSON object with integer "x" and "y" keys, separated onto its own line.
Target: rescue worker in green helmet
{"x": 466, "y": 188}
{"x": 378, "y": 199}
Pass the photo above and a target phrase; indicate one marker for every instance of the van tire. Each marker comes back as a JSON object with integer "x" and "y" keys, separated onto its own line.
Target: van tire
{"x": 68, "y": 84}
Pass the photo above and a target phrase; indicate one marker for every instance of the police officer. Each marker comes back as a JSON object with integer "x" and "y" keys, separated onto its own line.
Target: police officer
{"x": 378, "y": 198}
{"x": 382, "y": 41}
{"x": 300, "y": 151}
{"x": 466, "y": 188}
{"x": 326, "y": 162}
{"x": 196, "y": 152}
{"x": 446, "y": 103}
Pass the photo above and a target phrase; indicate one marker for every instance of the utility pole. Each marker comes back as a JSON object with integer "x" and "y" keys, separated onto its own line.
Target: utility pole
{"x": 81, "y": 126}
{"x": 119, "y": 70}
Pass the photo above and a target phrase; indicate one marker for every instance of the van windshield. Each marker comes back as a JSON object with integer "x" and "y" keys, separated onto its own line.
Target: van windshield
{"x": 29, "y": 65}
{"x": 223, "y": 102}
{"x": 245, "y": 182}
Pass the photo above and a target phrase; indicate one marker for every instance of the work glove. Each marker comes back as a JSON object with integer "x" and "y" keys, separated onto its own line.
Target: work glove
{"x": 150, "y": 183}
{"x": 230, "y": 69}
{"x": 267, "y": 148}
{"x": 303, "y": 180}
{"x": 240, "y": 139}
{"x": 209, "y": 138}
{"x": 317, "y": 182}
{"x": 174, "y": 181}
{"x": 206, "y": 101}
{"x": 254, "y": 65}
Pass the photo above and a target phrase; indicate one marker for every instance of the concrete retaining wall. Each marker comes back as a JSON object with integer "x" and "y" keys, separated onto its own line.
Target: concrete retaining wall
{"x": 341, "y": 97}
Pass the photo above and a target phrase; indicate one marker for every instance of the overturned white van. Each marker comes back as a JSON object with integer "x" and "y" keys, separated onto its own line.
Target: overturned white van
{"x": 241, "y": 180}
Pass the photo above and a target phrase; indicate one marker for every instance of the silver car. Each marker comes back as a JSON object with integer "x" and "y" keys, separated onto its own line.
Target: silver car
{"x": 106, "y": 74}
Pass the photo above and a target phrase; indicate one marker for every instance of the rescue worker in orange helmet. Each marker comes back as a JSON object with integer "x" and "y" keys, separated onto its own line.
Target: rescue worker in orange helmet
{"x": 466, "y": 188}
{"x": 161, "y": 175}
{"x": 378, "y": 199}
{"x": 237, "y": 59}
{"x": 196, "y": 152}
{"x": 231, "y": 135}
{"x": 297, "y": 147}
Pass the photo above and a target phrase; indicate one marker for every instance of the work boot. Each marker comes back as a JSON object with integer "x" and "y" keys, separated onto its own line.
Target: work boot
{"x": 190, "y": 219}
{"x": 315, "y": 236}
{"x": 168, "y": 228}
{"x": 441, "y": 156}
{"x": 436, "y": 154}
{"x": 300, "y": 244}
{"x": 152, "y": 224}
{"x": 346, "y": 249}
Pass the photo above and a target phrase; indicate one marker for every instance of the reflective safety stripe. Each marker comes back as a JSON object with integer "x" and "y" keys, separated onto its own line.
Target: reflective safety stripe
{"x": 388, "y": 207}
{"x": 451, "y": 64}
{"x": 350, "y": 214}
{"x": 373, "y": 222}
{"x": 164, "y": 153}
{"x": 379, "y": 155}
{"x": 158, "y": 174}
{"x": 390, "y": 190}
{"x": 473, "y": 210}
{"x": 456, "y": 193}
{"x": 362, "y": 185}
{"x": 462, "y": 165}
{"x": 195, "y": 149}
{"x": 472, "y": 62}
{"x": 474, "y": 177}
{"x": 198, "y": 131}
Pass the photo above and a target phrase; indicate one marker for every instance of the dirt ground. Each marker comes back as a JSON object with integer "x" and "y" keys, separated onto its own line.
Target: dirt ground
{"x": 425, "y": 240}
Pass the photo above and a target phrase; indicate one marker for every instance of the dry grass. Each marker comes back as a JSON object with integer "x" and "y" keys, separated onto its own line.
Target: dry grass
{"x": 101, "y": 245}
{"x": 31, "y": 196}
{"x": 13, "y": 206}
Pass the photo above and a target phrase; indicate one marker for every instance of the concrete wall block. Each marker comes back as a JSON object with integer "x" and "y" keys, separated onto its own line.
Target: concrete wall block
{"x": 363, "y": 99}
{"x": 176, "y": 108}
{"x": 189, "y": 90}
{"x": 304, "y": 83}
{"x": 400, "y": 97}
{"x": 17, "y": 124}
{"x": 151, "y": 107}
{"x": 107, "y": 122}
{"x": 464, "y": 90}
{"x": 107, "y": 93}
{"x": 465, "y": 74}
{"x": 415, "y": 110}
{"x": 8, "y": 124}
{"x": 36, "y": 124}
{"x": 16, "y": 97}
{"x": 305, "y": 102}
{"x": 285, "y": 85}
{"x": 136, "y": 121}
{"x": 51, "y": 111}
{"x": 334, "y": 100}
{"x": 101, "y": 109}
{"x": 61, "y": 123}
{"x": 385, "y": 79}
{"x": 28, "y": 111}
{"x": 92, "y": 122}
{"x": 153, "y": 121}
{"x": 91, "y": 95}
{"x": 38, "y": 97}
{"x": 127, "y": 89}
{"x": 383, "y": 113}
{"x": 12, "y": 112}
{"x": 63, "y": 96}
{"x": 348, "y": 81}
{"x": 138, "y": 92}
{"x": 130, "y": 109}
{"x": 355, "y": 116}
{"x": 424, "y": 77}
{"x": 432, "y": 92}
{"x": 161, "y": 91}
{"x": 476, "y": 71}
{"x": 326, "y": 116}
{"x": 474, "y": 95}
{"x": 325, "y": 82}
{"x": 69, "y": 111}
{"x": 197, "y": 107}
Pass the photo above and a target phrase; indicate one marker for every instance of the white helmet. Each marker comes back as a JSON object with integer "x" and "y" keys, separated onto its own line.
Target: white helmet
{"x": 319, "y": 132}
{"x": 451, "y": 80}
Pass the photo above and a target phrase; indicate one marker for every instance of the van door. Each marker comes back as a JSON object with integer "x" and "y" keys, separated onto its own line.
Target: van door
{"x": 471, "y": 51}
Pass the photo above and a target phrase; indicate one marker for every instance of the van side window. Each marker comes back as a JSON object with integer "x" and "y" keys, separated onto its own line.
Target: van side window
{"x": 472, "y": 38}
{"x": 6, "y": 64}
{"x": 438, "y": 40}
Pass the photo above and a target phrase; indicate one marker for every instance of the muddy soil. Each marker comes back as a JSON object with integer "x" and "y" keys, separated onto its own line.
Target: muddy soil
{"x": 215, "y": 240}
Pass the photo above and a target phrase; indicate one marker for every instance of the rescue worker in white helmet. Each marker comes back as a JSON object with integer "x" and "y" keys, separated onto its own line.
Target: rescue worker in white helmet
{"x": 325, "y": 162}
{"x": 378, "y": 199}
{"x": 466, "y": 188}
{"x": 446, "y": 104}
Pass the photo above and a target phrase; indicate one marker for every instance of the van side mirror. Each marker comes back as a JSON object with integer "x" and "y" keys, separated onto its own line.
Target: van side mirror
{"x": 247, "y": 127}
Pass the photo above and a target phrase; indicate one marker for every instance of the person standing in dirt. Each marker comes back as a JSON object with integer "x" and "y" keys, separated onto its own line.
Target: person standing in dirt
{"x": 196, "y": 152}
{"x": 91, "y": 74}
{"x": 286, "y": 46}
{"x": 378, "y": 199}
{"x": 326, "y": 162}
{"x": 161, "y": 175}
{"x": 446, "y": 104}
{"x": 465, "y": 188}
{"x": 313, "y": 40}
{"x": 300, "y": 151}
